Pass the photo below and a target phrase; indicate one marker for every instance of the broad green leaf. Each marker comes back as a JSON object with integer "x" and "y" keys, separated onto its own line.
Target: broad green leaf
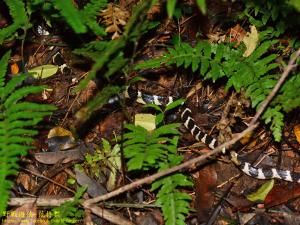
{"x": 262, "y": 192}
{"x": 202, "y": 5}
{"x": 156, "y": 107}
{"x": 145, "y": 120}
{"x": 174, "y": 104}
{"x": 44, "y": 71}
{"x": 159, "y": 118}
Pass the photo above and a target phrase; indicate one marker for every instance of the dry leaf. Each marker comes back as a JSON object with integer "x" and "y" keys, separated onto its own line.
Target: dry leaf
{"x": 14, "y": 68}
{"x": 281, "y": 194}
{"x": 205, "y": 186}
{"x": 54, "y": 189}
{"x": 297, "y": 132}
{"x": 250, "y": 41}
{"x": 59, "y": 131}
{"x": 236, "y": 34}
{"x": 114, "y": 18}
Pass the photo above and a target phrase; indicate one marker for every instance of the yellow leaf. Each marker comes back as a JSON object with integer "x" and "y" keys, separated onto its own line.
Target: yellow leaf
{"x": 145, "y": 120}
{"x": 59, "y": 131}
{"x": 250, "y": 41}
{"x": 43, "y": 71}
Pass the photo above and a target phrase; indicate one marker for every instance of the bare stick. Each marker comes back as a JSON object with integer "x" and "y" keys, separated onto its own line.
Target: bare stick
{"x": 41, "y": 201}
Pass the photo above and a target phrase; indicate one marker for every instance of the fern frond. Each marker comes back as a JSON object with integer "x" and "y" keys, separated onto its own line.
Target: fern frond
{"x": 288, "y": 96}
{"x": 71, "y": 15}
{"x": 143, "y": 149}
{"x": 158, "y": 149}
{"x": 132, "y": 31}
{"x": 11, "y": 85}
{"x": 16, "y": 118}
{"x": 275, "y": 118}
{"x": 19, "y": 16}
{"x": 90, "y": 13}
{"x": 21, "y": 93}
{"x": 175, "y": 204}
{"x": 3, "y": 67}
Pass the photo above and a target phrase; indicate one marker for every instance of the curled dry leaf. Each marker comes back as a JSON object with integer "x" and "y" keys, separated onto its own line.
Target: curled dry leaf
{"x": 236, "y": 34}
{"x": 114, "y": 18}
{"x": 281, "y": 194}
{"x": 60, "y": 131}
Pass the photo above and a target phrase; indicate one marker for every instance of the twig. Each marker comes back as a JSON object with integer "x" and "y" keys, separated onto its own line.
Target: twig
{"x": 49, "y": 179}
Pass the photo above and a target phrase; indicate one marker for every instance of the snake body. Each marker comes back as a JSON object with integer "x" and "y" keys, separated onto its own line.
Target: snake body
{"x": 190, "y": 124}
{"x": 199, "y": 135}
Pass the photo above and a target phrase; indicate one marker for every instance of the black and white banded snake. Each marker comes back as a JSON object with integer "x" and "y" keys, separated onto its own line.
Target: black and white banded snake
{"x": 190, "y": 124}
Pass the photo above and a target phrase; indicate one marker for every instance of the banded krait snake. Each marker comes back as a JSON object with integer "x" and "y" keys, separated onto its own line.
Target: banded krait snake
{"x": 188, "y": 121}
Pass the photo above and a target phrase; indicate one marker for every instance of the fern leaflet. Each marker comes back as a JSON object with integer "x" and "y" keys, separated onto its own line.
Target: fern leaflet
{"x": 19, "y": 16}
{"x": 147, "y": 150}
{"x": 16, "y": 118}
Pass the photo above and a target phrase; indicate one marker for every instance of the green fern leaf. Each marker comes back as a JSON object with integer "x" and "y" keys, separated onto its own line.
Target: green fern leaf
{"x": 175, "y": 204}
{"x": 19, "y": 16}
{"x": 275, "y": 118}
{"x": 16, "y": 118}
{"x": 288, "y": 96}
{"x": 21, "y": 93}
{"x": 3, "y": 67}
{"x": 71, "y": 14}
{"x": 90, "y": 13}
